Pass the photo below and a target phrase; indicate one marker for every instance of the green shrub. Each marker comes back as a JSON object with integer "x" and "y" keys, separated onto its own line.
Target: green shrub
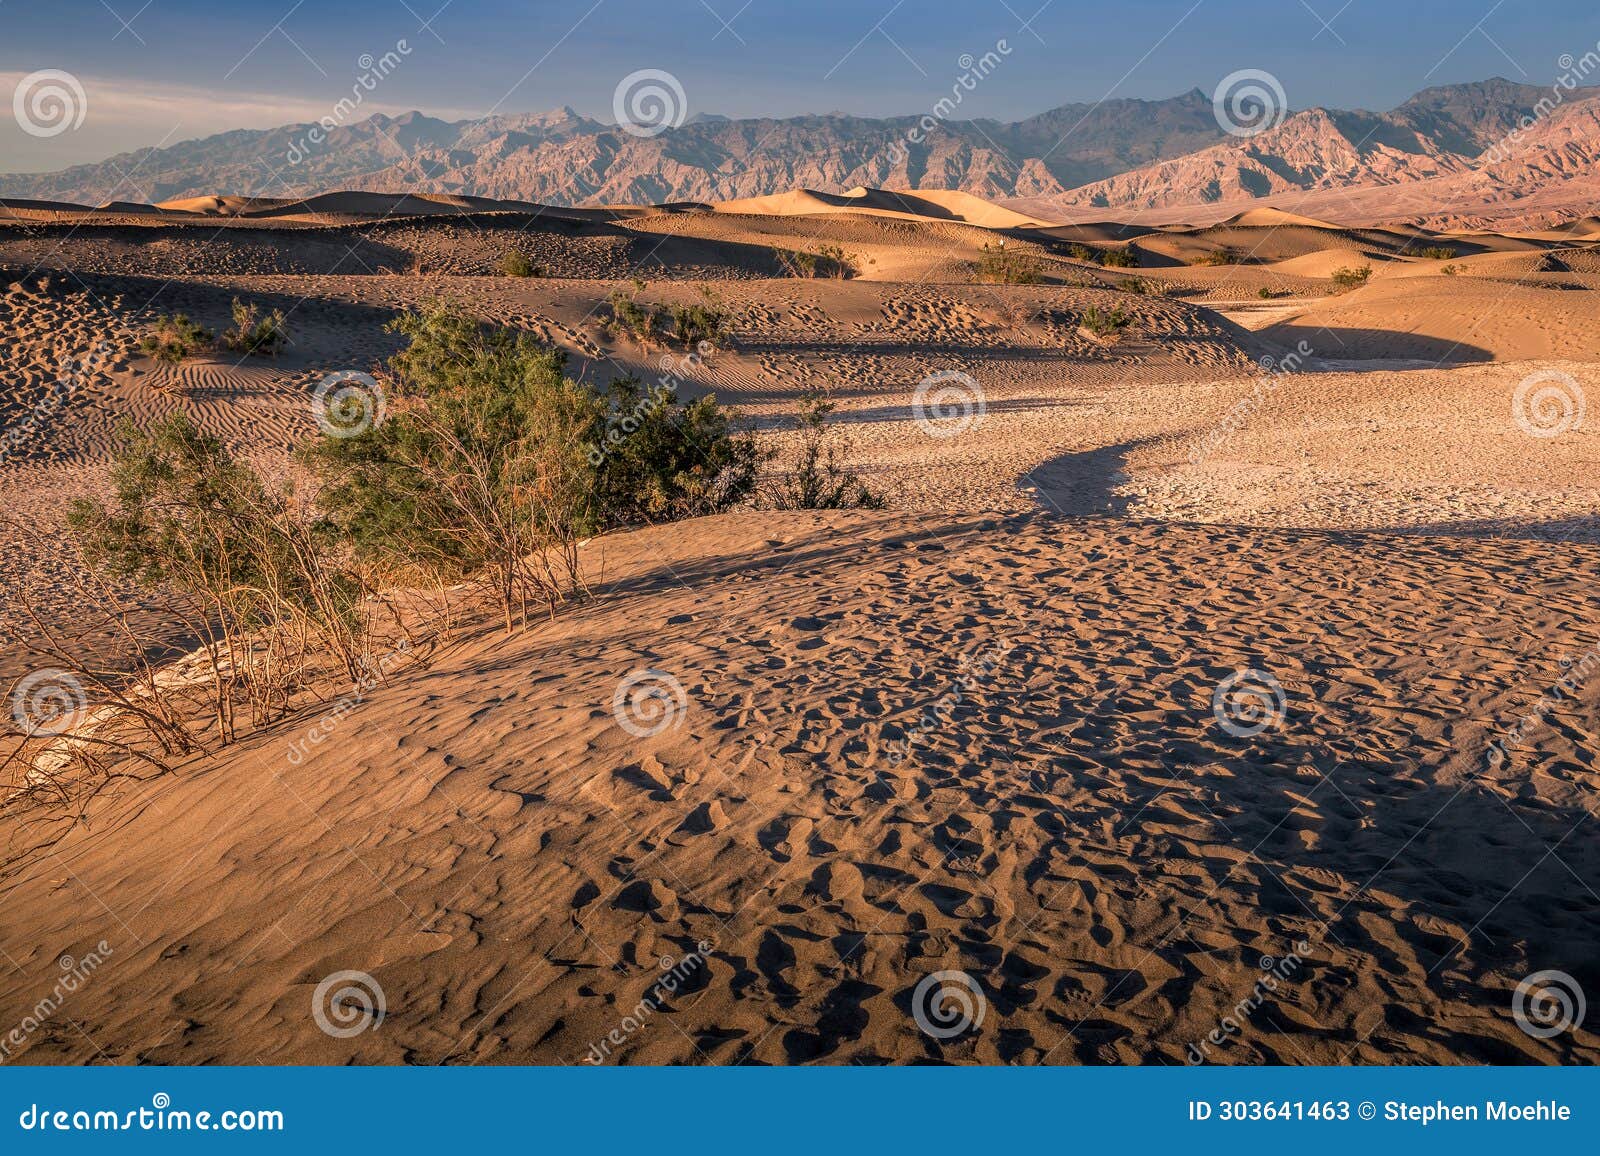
{"x": 631, "y": 319}
{"x": 1001, "y": 266}
{"x": 516, "y": 263}
{"x": 173, "y": 338}
{"x": 234, "y": 557}
{"x": 820, "y": 261}
{"x": 1345, "y": 279}
{"x": 818, "y": 481}
{"x": 1124, "y": 258}
{"x": 1449, "y": 270}
{"x": 253, "y": 334}
{"x": 1103, "y": 324}
{"x": 705, "y": 321}
{"x": 656, "y": 460}
{"x": 493, "y": 465}
{"x": 1222, "y": 256}
{"x": 1438, "y": 253}
{"x": 1133, "y": 285}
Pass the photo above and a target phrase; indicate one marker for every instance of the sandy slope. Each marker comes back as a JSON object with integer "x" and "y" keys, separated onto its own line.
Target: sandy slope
{"x": 1078, "y": 834}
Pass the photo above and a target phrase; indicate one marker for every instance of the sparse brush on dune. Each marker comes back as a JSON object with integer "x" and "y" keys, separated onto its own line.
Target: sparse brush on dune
{"x": 516, "y": 263}
{"x": 1347, "y": 278}
{"x": 1105, "y": 323}
{"x": 819, "y": 261}
{"x": 1222, "y": 256}
{"x": 999, "y": 265}
{"x": 239, "y": 560}
{"x": 255, "y": 335}
{"x": 493, "y": 464}
{"x": 173, "y": 337}
{"x": 817, "y": 480}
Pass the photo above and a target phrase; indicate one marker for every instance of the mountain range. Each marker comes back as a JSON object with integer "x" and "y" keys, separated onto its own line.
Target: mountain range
{"x": 1491, "y": 141}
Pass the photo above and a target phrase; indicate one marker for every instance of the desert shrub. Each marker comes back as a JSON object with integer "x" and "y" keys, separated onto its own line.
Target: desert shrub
{"x": 516, "y": 263}
{"x": 1267, "y": 293}
{"x": 1133, "y": 285}
{"x": 174, "y": 337}
{"x": 1449, "y": 270}
{"x": 1080, "y": 252}
{"x": 631, "y": 319}
{"x": 1222, "y": 256}
{"x": 703, "y": 322}
{"x": 241, "y": 560}
{"x": 1001, "y": 266}
{"x": 1105, "y": 324}
{"x": 1125, "y": 258}
{"x": 479, "y": 472}
{"x": 492, "y": 464}
{"x": 819, "y": 261}
{"x": 1345, "y": 279}
{"x": 818, "y": 481}
{"x": 253, "y": 334}
{"x": 1438, "y": 253}
{"x": 657, "y": 460}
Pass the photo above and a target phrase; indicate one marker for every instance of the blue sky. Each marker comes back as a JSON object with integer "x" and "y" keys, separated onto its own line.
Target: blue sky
{"x": 159, "y": 71}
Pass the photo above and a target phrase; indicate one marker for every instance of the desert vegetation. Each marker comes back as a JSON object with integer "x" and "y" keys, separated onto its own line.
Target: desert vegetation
{"x": 1347, "y": 278}
{"x": 253, "y": 334}
{"x": 821, "y": 260}
{"x": 998, "y": 265}
{"x": 173, "y": 337}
